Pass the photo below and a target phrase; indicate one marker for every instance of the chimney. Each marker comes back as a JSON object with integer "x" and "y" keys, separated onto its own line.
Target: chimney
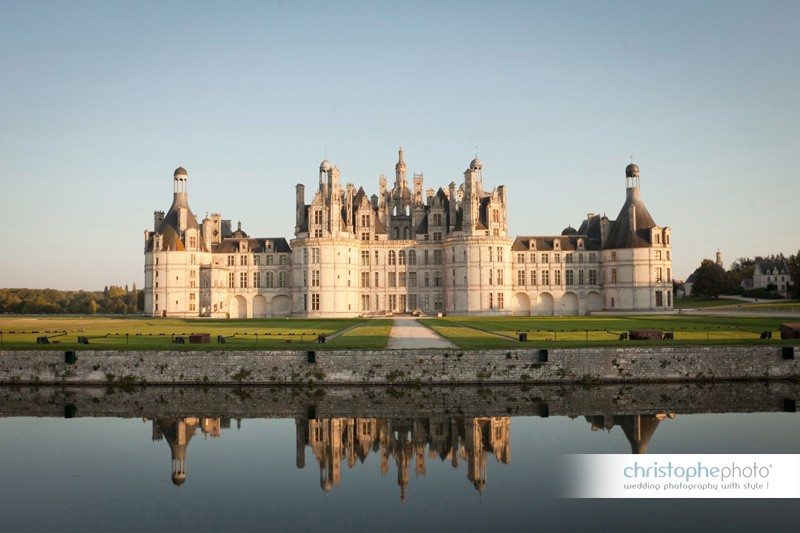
{"x": 158, "y": 218}
{"x": 300, "y": 206}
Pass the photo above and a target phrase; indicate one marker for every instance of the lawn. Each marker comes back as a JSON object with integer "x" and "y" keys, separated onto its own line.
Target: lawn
{"x": 502, "y": 332}
{"x": 725, "y": 304}
{"x": 697, "y": 302}
{"x": 156, "y": 333}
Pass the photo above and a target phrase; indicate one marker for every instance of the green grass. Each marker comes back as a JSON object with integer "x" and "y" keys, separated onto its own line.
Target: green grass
{"x": 369, "y": 335}
{"x": 697, "y": 302}
{"x": 501, "y": 332}
{"x": 156, "y": 333}
{"x": 725, "y": 304}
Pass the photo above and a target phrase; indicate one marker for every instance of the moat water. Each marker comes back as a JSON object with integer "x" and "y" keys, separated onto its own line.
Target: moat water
{"x": 353, "y": 459}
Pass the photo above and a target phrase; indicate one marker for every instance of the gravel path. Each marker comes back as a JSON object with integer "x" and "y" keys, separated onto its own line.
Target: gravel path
{"x": 406, "y": 332}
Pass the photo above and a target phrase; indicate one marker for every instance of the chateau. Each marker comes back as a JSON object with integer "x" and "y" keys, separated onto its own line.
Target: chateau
{"x": 405, "y": 249}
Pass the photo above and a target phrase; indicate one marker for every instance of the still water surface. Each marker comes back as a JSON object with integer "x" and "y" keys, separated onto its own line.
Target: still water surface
{"x": 414, "y": 469}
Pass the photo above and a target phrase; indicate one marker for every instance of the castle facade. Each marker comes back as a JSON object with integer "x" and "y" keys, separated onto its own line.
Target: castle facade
{"x": 405, "y": 249}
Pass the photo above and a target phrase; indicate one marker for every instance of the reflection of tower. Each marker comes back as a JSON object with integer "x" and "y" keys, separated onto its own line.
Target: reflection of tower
{"x": 178, "y": 432}
{"x": 484, "y": 435}
{"x": 638, "y": 429}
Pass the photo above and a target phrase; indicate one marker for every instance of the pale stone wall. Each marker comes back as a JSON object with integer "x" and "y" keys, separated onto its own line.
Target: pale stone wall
{"x": 343, "y": 367}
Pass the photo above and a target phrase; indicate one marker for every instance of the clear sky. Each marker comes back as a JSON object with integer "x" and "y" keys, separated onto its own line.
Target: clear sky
{"x": 100, "y": 101}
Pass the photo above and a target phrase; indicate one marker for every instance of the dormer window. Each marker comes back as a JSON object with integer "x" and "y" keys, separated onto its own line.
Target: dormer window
{"x": 318, "y": 216}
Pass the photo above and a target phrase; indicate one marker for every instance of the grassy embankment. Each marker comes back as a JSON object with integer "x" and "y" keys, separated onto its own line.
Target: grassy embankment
{"x": 725, "y": 304}
{"x": 156, "y": 333}
{"x": 568, "y": 332}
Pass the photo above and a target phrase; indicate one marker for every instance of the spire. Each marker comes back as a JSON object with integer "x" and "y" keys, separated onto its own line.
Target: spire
{"x": 400, "y": 161}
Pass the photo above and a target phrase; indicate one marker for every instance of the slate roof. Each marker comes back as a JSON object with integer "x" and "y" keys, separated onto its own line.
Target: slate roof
{"x": 622, "y": 235}
{"x": 772, "y": 267}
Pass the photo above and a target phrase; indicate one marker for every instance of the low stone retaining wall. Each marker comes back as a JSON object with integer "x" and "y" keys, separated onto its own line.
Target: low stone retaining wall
{"x": 422, "y": 367}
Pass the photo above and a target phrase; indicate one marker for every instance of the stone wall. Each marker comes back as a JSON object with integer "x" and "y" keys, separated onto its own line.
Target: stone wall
{"x": 401, "y": 402}
{"x": 419, "y": 367}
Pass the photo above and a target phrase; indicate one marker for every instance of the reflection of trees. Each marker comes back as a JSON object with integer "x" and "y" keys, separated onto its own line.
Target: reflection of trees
{"x": 404, "y": 441}
{"x": 638, "y": 429}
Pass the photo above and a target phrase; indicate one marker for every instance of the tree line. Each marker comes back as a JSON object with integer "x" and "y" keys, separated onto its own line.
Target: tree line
{"x": 711, "y": 280}
{"x": 111, "y": 300}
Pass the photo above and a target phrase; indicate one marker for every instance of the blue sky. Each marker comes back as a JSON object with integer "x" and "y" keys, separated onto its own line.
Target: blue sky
{"x": 100, "y": 101}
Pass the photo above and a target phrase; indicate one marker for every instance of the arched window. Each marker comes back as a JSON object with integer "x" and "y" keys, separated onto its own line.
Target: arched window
{"x": 396, "y": 232}
{"x": 392, "y": 257}
{"x": 405, "y": 233}
{"x": 402, "y": 257}
{"x": 412, "y": 257}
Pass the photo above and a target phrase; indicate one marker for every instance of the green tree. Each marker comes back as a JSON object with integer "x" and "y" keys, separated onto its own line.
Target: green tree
{"x": 793, "y": 262}
{"x": 711, "y": 280}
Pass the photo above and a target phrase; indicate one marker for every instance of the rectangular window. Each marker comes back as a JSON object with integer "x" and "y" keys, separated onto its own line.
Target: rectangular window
{"x": 499, "y": 254}
{"x": 231, "y": 280}
{"x": 491, "y": 254}
{"x": 315, "y": 255}
{"x": 659, "y": 298}
{"x": 427, "y": 280}
{"x": 499, "y": 276}
{"x": 580, "y": 277}
{"x": 437, "y": 302}
{"x": 365, "y": 279}
{"x": 391, "y": 279}
{"x": 545, "y": 277}
{"x": 426, "y": 257}
{"x": 437, "y": 257}
{"x": 315, "y": 278}
{"x": 491, "y": 300}
{"x": 613, "y": 275}
{"x": 533, "y": 278}
{"x": 568, "y": 258}
{"x": 570, "y": 277}
{"x": 282, "y": 259}
{"x": 193, "y": 259}
{"x": 499, "y": 300}
{"x": 668, "y": 255}
{"x": 558, "y": 277}
{"x": 243, "y": 260}
{"x": 315, "y": 301}
{"x": 659, "y": 274}
{"x": 613, "y": 256}
{"x": 377, "y": 281}
{"x": 392, "y": 302}
{"x": 230, "y": 260}
{"x": 520, "y": 259}
{"x": 256, "y": 279}
{"x": 658, "y": 255}
{"x": 556, "y": 258}
{"x": 545, "y": 258}
{"x": 257, "y": 259}
{"x": 281, "y": 279}
{"x": 592, "y": 257}
{"x": 593, "y": 277}
{"x": 269, "y": 259}
{"x": 437, "y": 279}
{"x": 520, "y": 277}
{"x": 401, "y": 279}
{"x": 669, "y": 276}
{"x": 242, "y": 280}
{"x": 365, "y": 302}
{"x": 365, "y": 257}
{"x": 270, "y": 280}
{"x": 412, "y": 279}
{"x": 318, "y": 216}
{"x": 491, "y": 276}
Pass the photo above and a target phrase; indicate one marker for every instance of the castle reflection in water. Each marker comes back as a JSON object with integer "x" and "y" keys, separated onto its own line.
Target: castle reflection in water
{"x": 334, "y": 441}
